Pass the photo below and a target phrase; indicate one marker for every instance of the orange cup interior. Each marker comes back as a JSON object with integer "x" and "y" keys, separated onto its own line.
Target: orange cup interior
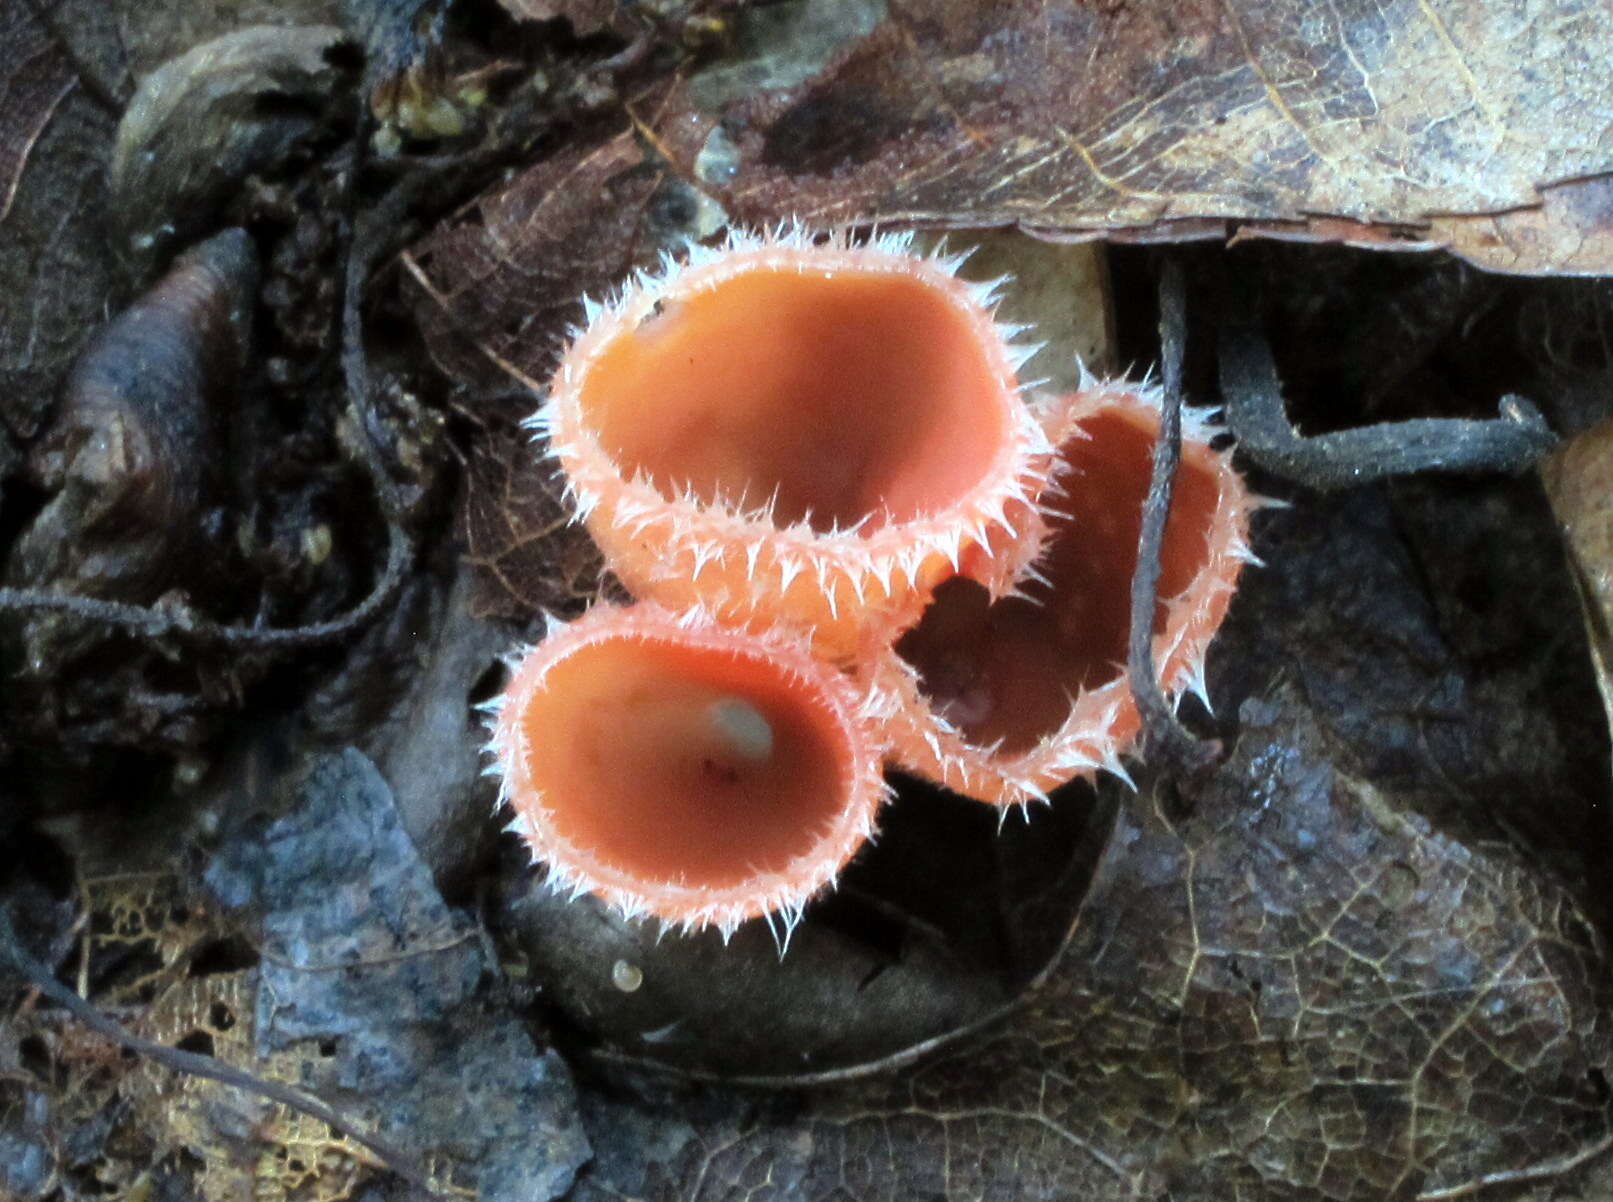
{"x": 647, "y": 759}
{"x": 1009, "y": 670}
{"x": 843, "y": 396}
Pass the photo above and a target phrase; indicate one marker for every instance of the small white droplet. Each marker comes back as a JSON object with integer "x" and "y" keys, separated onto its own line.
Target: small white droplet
{"x": 743, "y": 727}
{"x": 626, "y": 977}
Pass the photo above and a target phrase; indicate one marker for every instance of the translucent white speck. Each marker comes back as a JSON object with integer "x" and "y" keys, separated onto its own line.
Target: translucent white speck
{"x": 626, "y": 977}
{"x": 744, "y": 728}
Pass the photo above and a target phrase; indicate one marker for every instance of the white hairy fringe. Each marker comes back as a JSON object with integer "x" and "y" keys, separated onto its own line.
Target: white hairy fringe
{"x": 849, "y": 563}
{"x": 779, "y": 896}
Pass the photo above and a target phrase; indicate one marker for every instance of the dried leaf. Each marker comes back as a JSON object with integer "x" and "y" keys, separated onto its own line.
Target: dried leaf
{"x": 56, "y": 280}
{"x": 1299, "y": 993}
{"x": 33, "y": 81}
{"x": 526, "y": 553}
{"x": 931, "y": 932}
{"x": 494, "y": 290}
{"x": 1570, "y": 232}
{"x": 246, "y": 1146}
{"x": 510, "y": 272}
{"x": 1083, "y": 117}
{"x": 362, "y": 956}
{"x": 201, "y": 123}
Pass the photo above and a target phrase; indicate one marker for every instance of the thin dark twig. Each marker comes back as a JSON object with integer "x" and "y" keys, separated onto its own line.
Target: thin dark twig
{"x": 1163, "y": 734}
{"x": 136, "y": 619}
{"x": 195, "y": 1064}
{"x": 1252, "y": 391}
{"x": 157, "y": 621}
{"x": 368, "y": 244}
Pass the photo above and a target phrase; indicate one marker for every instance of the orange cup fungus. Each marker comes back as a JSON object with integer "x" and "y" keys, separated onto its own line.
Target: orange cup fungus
{"x": 1004, "y": 700}
{"x": 810, "y": 433}
{"x": 855, "y": 540}
{"x": 685, "y": 770}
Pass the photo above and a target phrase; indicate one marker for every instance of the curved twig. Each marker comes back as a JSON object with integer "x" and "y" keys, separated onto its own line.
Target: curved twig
{"x": 1163, "y": 733}
{"x": 1252, "y": 390}
{"x": 159, "y": 621}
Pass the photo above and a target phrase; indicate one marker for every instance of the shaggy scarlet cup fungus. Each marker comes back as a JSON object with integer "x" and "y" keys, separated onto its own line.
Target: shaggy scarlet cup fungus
{"x": 686, "y": 770}
{"x": 814, "y": 433}
{"x": 1005, "y": 700}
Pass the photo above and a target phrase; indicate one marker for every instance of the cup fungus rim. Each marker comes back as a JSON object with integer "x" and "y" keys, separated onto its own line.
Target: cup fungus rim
{"x": 778, "y": 895}
{"x": 1004, "y": 499}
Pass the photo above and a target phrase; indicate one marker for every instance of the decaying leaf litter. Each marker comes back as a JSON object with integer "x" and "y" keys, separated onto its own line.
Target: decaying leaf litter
{"x": 1362, "y": 957}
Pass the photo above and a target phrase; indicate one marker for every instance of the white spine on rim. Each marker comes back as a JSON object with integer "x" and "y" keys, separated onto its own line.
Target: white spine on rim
{"x": 848, "y": 562}
{"x": 574, "y": 870}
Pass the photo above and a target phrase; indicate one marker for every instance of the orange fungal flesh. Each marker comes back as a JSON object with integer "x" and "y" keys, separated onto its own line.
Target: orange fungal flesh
{"x": 792, "y": 433}
{"x": 1007, "y": 670}
{"x": 686, "y": 770}
{"x": 1007, "y": 699}
{"x": 640, "y": 737}
{"x": 860, "y": 397}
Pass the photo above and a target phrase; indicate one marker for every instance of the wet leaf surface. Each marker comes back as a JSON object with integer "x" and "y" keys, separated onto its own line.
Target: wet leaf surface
{"x": 1579, "y": 483}
{"x": 1071, "y": 117}
{"x": 37, "y": 78}
{"x": 55, "y": 278}
{"x": 930, "y": 933}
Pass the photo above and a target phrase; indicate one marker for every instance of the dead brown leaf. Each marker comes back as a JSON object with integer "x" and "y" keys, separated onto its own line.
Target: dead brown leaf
{"x": 33, "y": 81}
{"x": 494, "y": 290}
{"x": 510, "y": 272}
{"x": 1438, "y": 117}
{"x": 1299, "y": 993}
{"x": 1579, "y": 482}
{"x": 56, "y": 282}
{"x": 524, "y": 552}
{"x": 1570, "y": 232}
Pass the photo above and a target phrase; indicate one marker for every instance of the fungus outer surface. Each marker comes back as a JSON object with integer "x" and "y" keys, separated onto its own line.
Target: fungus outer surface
{"x": 1006, "y": 699}
{"x": 684, "y": 770}
{"x": 814, "y": 434}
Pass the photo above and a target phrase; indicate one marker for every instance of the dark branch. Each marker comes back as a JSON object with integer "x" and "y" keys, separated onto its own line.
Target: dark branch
{"x": 371, "y": 240}
{"x": 1254, "y": 405}
{"x": 1163, "y": 735}
{"x": 158, "y": 621}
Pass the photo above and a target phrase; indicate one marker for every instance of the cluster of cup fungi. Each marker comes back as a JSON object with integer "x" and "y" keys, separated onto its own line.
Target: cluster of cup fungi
{"x": 856, "y": 541}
